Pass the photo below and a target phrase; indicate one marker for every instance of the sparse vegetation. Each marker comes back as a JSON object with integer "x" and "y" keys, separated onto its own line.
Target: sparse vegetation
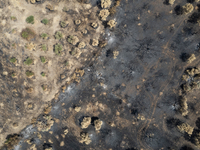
{"x": 49, "y": 7}
{"x": 44, "y": 47}
{"x": 28, "y": 61}
{"x": 74, "y": 51}
{"x": 45, "y": 21}
{"x": 44, "y": 87}
{"x": 13, "y": 60}
{"x": 13, "y": 18}
{"x": 58, "y": 49}
{"x": 11, "y": 140}
{"x": 70, "y": 39}
{"x": 30, "y": 19}
{"x": 67, "y": 63}
{"x": 73, "y": 40}
{"x": 24, "y": 34}
{"x": 29, "y": 73}
{"x": 13, "y": 31}
{"x": 65, "y": 9}
{"x": 27, "y": 34}
{"x": 44, "y": 35}
{"x": 13, "y": 74}
{"x": 30, "y": 46}
{"x": 43, "y": 74}
{"x": 42, "y": 58}
{"x": 58, "y": 35}
{"x": 63, "y": 24}
{"x": 7, "y": 141}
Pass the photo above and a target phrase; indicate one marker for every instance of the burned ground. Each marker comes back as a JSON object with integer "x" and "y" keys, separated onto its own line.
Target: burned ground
{"x": 134, "y": 85}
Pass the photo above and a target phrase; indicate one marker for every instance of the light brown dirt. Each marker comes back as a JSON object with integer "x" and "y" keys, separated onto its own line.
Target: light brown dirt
{"x": 55, "y": 67}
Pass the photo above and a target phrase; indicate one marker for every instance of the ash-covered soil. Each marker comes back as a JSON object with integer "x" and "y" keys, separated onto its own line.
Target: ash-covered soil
{"x": 139, "y": 91}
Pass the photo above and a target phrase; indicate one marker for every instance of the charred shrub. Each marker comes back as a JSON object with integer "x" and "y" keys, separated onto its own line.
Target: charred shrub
{"x": 178, "y": 10}
{"x": 184, "y": 57}
{"x": 194, "y": 18}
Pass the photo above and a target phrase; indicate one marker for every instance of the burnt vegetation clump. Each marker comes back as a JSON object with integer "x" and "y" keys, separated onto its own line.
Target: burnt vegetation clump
{"x": 178, "y": 10}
